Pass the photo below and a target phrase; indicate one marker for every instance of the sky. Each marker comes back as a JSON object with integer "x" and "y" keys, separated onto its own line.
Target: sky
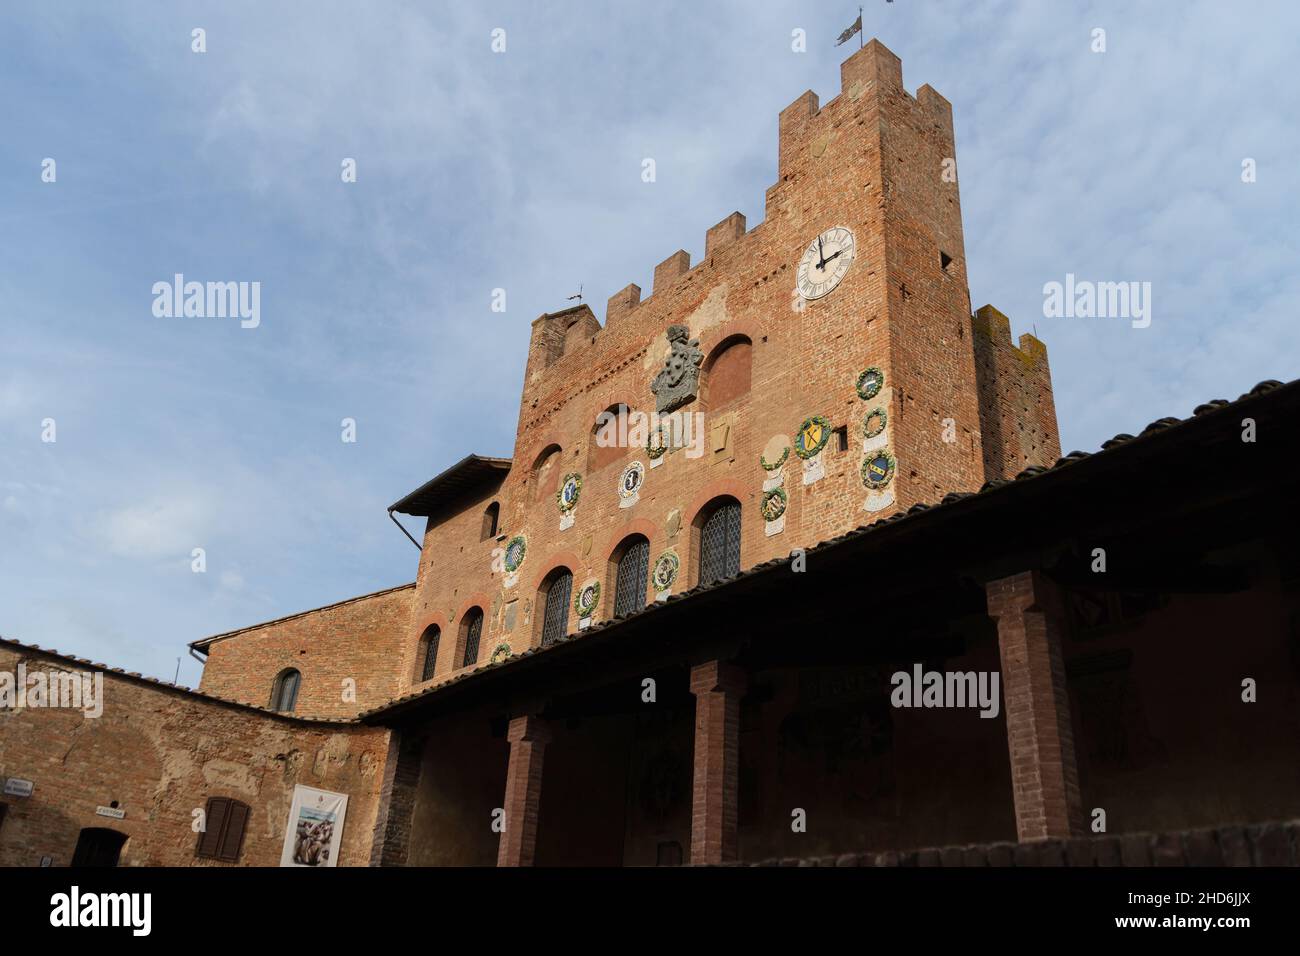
{"x": 521, "y": 170}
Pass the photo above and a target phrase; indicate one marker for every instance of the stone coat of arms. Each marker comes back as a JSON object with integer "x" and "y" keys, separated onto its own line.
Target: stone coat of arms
{"x": 679, "y": 380}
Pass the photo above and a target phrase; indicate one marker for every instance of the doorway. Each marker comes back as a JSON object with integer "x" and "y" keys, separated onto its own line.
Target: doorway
{"x": 97, "y": 846}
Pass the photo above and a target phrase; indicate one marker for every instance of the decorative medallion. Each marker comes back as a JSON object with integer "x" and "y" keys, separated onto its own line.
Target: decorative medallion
{"x": 870, "y": 382}
{"x": 570, "y": 490}
{"x": 773, "y": 503}
{"x": 813, "y": 435}
{"x": 655, "y": 445}
{"x": 501, "y": 653}
{"x": 679, "y": 379}
{"x": 665, "y": 571}
{"x": 825, "y": 263}
{"x": 773, "y": 466}
{"x": 629, "y": 483}
{"x": 516, "y": 549}
{"x": 586, "y": 599}
{"x": 878, "y": 469}
{"x": 875, "y": 422}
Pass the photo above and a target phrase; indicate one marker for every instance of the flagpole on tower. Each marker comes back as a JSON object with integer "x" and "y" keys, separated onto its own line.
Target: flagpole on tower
{"x": 859, "y": 28}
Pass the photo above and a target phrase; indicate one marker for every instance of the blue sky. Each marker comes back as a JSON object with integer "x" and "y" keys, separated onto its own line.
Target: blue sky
{"x": 522, "y": 170}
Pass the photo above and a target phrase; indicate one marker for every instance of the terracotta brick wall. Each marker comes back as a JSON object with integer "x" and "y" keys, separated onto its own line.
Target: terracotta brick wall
{"x": 361, "y": 639}
{"x": 871, "y": 159}
{"x": 1017, "y": 411}
{"x": 161, "y": 753}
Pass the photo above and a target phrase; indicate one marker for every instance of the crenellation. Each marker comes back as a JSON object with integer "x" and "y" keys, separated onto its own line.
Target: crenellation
{"x": 723, "y": 234}
{"x": 791, "y": 126}
{"x": 621, "y": 303}
{"x": 670, "y": 270}
{"x": 873, "y": 64}
{"x": 936, "y": 104}
{"x": 1017, "y": 410}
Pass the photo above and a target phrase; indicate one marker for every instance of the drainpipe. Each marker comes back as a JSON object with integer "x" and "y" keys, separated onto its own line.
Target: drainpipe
{"x": 404, "y": 531}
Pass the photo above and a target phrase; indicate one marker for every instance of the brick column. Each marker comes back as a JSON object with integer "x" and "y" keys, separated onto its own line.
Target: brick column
{"x": 1044, "y": 774}
{"x": 717, "y": 687}
{"x": 528, "y": 739}
{"x": 396, "y": 800}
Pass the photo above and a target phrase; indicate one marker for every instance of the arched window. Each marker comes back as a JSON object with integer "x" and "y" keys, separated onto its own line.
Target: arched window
{"x": 471, "y": 629}
{"x": 546, "y": 473}
{"x": 608, "y": 437}
{"x": 557, "y": 591}
{"x": 490, "y": 518}
{"x": 284, "y": 692}
{"x": 720, "y": 541}
{"x": 429, "y": 641}
{"x": 727, "y": 373}
{"x": 633, "y": 569}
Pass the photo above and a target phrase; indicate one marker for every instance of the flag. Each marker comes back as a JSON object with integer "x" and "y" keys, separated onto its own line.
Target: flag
{"x": 855, "y": 27}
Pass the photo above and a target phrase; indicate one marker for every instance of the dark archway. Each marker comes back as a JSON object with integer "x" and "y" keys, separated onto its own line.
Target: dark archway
{"x": 98, "y": 846}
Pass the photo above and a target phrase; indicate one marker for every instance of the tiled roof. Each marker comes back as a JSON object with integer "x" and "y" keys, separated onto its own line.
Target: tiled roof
{"x": 463, "y": 478}
{"x": 204, "y": 642}
{"x": 169, "y": 686}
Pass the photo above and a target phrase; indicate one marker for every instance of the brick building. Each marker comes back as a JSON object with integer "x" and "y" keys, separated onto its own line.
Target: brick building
{"x": 667, "y": 628}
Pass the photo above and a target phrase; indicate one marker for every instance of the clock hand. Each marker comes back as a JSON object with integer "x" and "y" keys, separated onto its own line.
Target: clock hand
{"x": 830, "y": 257}
{"x": 821, "y": 255}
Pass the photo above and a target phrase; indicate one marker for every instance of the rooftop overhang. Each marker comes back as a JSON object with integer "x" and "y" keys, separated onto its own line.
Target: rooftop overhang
{"x": 1163, "y": 503}
{"x": 462, "y": 481}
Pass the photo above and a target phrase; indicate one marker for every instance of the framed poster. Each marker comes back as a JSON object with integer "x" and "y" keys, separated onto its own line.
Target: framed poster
{"x": 315, "y": 830}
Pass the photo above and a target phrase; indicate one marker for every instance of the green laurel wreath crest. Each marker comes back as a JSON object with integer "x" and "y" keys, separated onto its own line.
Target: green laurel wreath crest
{"x": 878, "y": 413}
{"x": 513, "y": 566}
{"x": 665, "y": 570}
{"x": 577, "y": 493}
{"x": 871, "y": 482}
{"x": 766, "y": 504}
{"x": 806, "y": 453}
{"x": 586, "y": 610}
{"x": 870, "y": 382}
{"x": 778, "y": 463}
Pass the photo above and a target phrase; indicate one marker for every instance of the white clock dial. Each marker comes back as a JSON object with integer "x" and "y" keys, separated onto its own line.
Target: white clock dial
{"x": 825, "y": 262}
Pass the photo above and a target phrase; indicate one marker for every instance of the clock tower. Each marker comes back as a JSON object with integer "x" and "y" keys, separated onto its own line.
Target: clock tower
{"x": 806, "y": 377}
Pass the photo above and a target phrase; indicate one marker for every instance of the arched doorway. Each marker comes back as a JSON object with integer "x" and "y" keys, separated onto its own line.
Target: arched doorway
{"x": 98, "y": 846}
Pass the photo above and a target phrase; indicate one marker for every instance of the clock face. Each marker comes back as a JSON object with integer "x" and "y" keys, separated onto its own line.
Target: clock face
{"x": 825, "y": 262}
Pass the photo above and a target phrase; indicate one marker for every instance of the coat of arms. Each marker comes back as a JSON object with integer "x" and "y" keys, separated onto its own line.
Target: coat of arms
{"x": 679, "y": 379}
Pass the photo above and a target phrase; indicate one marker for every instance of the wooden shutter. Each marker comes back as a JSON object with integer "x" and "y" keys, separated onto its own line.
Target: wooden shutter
{"x": 215, "y": 821}
{"x": 232, "y": 835}
{"x": 224, "y": 837}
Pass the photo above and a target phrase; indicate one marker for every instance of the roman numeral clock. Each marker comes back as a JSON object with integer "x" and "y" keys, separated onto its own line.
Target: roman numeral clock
{"x": 825, "y": 263}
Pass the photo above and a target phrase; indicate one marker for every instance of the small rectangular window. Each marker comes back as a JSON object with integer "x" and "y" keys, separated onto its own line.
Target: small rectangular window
{"x": 945, "y": 261}
{"x": 842, "y": 438}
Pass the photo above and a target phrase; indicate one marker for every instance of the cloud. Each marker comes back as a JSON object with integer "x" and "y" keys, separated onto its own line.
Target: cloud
{"x": 161, "y": 528}
{"x": 522, "y": 171}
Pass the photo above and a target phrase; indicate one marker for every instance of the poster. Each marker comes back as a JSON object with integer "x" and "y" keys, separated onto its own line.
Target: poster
{"x": 315, "y": 830}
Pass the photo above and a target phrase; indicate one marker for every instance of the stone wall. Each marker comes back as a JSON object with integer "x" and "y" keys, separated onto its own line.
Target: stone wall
{"x": 158, "y": 753}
